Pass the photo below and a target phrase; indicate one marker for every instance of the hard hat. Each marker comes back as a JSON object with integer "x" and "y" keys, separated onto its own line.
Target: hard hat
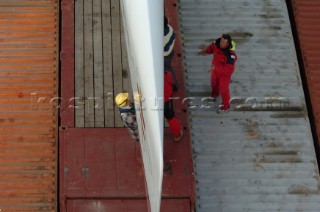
{"x": 121, "y": 99}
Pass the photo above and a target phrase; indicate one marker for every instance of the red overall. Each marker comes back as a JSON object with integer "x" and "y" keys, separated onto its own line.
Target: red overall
{"x": 223, "y": 64}
{"x": 168, "y": 105}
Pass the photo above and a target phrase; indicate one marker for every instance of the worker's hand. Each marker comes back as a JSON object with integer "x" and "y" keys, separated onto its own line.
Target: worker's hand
{"x": 203, "y": 51}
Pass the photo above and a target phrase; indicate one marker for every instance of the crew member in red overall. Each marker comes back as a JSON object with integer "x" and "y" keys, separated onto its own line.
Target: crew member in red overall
{"x": 168, "y": 107}
{"x": 222, "y": 67}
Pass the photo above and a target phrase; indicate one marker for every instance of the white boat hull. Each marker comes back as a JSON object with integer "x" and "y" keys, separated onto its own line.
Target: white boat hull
{"x": 143, "y": 26}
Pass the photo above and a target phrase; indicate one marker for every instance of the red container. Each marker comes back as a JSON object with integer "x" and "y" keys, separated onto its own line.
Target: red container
{"x": 29, "y": 58}
{"x": 307, "y": 24}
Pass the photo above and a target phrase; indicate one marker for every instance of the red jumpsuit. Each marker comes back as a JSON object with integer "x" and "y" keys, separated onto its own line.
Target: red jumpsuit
{"x": 223, "y": 64}
{"x": 168, "y": 105}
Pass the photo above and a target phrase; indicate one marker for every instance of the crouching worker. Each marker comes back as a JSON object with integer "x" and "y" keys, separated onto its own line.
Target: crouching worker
{"x": 168, "y": 107}
{"x": 128, "y": 114}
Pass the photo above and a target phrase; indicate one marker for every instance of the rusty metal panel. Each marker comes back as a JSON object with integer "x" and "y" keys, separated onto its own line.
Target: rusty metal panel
{"x": 28, "y": 108}
{"x": 259, "y": 156}
{"x": 105, "y": 163}
{"x": 100, "y": 162}
{"x": 124, "y": 205}
{"x": 307, "y": 23}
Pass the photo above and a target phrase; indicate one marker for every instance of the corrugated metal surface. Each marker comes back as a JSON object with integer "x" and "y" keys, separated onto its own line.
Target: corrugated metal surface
{"x": 260, "y": 158}
{"x": 28, "y": 115}
{"x": 307, "y": 19}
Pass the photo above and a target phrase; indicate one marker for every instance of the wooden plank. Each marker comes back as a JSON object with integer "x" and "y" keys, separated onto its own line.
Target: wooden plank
{"x": 116, "y": 54}
{"x": 97, "y": 64}
{"x": 126, "y": 79}
{"x": 79, "y": 66}
{"x": 107, "y": 65}
{"x": 88, "y": 65}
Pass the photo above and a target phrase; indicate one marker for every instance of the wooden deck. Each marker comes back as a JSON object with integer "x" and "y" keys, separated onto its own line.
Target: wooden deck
{"x": 101, "y": 65}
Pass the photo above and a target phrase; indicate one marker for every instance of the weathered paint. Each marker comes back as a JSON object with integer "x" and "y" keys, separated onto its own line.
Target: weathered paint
{"x": 259, "y": 156}
{"x": 29, "y": 46}
{"x": 67, "y": 64}
{"x": 167, "y": 205}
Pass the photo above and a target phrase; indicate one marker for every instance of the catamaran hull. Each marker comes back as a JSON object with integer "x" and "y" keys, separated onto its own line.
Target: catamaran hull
{"x": 143, "y": 26}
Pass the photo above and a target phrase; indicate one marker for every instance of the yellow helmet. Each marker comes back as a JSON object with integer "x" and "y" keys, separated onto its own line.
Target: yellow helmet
{"x": 121, "y": 99}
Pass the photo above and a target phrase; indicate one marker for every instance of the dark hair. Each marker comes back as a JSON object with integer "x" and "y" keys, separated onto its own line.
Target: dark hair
{"x": 165, "y": 21}
{"x": 228, "y": 37}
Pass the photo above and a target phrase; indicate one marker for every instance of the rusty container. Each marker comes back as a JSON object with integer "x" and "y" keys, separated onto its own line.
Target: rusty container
{"x": 29, "y": 46}
{"x": 306, "y": 19}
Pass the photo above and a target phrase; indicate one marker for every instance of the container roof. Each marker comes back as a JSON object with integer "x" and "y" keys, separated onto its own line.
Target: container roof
{"x": 260, "y": 155}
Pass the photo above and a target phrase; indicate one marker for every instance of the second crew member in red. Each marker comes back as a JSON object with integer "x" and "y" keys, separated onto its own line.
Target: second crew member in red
{"x": 222, "y": 67}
